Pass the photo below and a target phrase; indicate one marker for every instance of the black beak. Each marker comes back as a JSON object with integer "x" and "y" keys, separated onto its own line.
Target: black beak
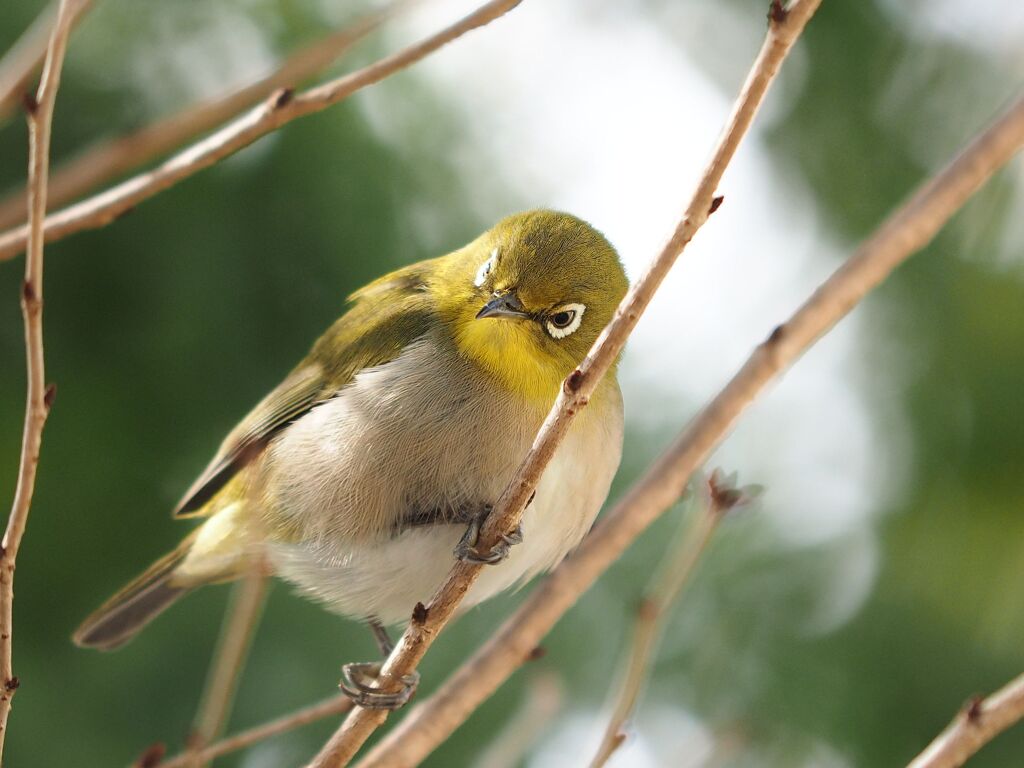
{"x": 503, "y": 306}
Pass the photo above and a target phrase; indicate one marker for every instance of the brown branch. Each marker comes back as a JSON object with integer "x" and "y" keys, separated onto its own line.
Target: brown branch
{"x": 240, "y": 622}
{"x": 679, "y": 564}
{"x": 335, "y": 705}
{"x": 576, "y": 389}
{"x": 545, "y": 695}
{"x": 39, "y": 396}
{"x": 907, "y": 230}
{"x": 980, "y": 721}
{"x": 282, "y": 107}
{"x": 24, "y": 57}
{"x": 110, "y": 158}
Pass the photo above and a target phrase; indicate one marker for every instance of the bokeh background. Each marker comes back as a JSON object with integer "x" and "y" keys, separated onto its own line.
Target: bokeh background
{"x": 881, "y": 580}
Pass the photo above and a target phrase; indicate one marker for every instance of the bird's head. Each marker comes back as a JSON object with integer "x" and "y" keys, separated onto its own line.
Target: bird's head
{"x": 528, "y": 298}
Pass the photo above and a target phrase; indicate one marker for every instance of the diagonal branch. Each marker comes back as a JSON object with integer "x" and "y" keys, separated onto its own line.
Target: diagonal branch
{"x": 545, "y": 696}
{"x": 715, "y": 500}
{"x": 908, "y": 229}
{"x": 25, "y": 56}
{"x": 335, "y": 705}
{"x": 980, "y": 721}
{"x": 113, "y": 157}
{"x": 783, "y": 29}
{"x": 39, "y": 396}
{"x": 282, "y": 107}
{"x": 240, "y": 622}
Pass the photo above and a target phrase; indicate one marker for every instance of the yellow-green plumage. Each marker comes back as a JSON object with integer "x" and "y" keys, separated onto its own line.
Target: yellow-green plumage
{"x": 354, "y": 478}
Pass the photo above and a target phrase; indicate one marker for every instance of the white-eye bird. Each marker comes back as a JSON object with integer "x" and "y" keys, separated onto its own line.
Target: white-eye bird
{"x": 376, "y": 458}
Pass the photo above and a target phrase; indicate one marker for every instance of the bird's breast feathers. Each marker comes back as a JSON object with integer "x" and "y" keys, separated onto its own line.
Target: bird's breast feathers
{"x": 352, "y": 486}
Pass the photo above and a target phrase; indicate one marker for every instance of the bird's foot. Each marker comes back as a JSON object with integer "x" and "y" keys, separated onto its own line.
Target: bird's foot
{"x": 467, "y": 551}
{"x": 358, "y": 680}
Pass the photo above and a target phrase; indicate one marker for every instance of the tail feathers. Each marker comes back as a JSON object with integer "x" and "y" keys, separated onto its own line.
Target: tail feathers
{"x": 120, "y": 618}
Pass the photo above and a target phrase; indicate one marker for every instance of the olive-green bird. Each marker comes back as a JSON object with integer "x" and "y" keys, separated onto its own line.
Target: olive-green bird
{"x": 376, "y": 458}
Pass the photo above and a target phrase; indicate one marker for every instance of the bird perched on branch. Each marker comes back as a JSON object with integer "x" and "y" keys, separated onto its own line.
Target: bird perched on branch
{"x": 379, "y": 455}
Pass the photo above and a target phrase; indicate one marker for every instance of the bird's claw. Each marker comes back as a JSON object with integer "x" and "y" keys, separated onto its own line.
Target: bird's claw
{"x": 466, "y": 550}
{"x": 357, "y": 682}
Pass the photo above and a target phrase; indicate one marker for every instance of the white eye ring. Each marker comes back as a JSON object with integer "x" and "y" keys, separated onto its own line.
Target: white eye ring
{"x": 575, "y": 312}
{"x": 485, "y": 269}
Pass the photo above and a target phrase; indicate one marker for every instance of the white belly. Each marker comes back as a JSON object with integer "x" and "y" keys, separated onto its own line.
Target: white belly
{"x": 386, "y": 579}
{"x": 338, "y": 462}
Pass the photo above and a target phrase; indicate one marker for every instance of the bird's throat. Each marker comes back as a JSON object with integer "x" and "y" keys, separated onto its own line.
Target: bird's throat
{"x": 504, "y": 350}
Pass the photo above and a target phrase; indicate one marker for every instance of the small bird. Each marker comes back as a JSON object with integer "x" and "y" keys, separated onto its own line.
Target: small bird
{"x": 375, "y": 461}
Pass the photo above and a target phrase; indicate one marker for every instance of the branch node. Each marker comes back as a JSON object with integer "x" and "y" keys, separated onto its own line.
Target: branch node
{"x": 152, "y": 756}
{"x": 777, "y": 13}
{"x": 12, "y": 684}
{"x": 573, "y": 382}
{"x": 28, "y": 293}
{"x": 724, "y": 493}
{"x": 537, "y": 653}
{"x": 972, "y": 709}
{"x": 50, "y": 395}
{"x": 280, "y": 98}
{"x": 420, "y": 614}
{"x": 775, "y": 338}
{"x": 716, "y": 203}
{"x": 646, "y": 610}
{"x": 29, "y": 103}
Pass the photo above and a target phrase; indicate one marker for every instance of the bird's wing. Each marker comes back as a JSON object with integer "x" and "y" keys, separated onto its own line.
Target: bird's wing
{"x": 299, "y": 392}
{"x": 385, "y": 317}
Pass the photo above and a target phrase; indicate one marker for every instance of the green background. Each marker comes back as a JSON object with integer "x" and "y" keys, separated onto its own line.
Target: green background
{"x": 162, "y": 329}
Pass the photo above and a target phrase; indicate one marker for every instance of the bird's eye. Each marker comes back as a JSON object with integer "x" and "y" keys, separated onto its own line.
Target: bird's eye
{"x": 485, "y": 269}
{"x": 564, "y": 320}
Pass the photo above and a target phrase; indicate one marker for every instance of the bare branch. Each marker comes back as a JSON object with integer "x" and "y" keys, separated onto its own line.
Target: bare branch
{"x": 240, "y": 622}
{"x": 335, "y": 705}
{"x": 39, "y": 397}
{"x": 980, "y": 721}
{"x": 113, "y": 157}
{"x": 576, "y": 389}
{"x": 906, "y": 230}
{"x": 679, "y": 564}
{"x": 24, "y": 57}
{"x": 544, "y": 698}
{"x": 282, "y": 107}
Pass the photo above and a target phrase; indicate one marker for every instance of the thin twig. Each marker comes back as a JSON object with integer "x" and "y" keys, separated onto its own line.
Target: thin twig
{"x": 39, "y": 396}
{"x": 24, "y": 57}
{"x": 544, "y": 697}
{"x": 335, "y": 705}
{"x": 907, "y": 230}
{"x": 110, "y": 158}
{"x": 240, "y": 622}
{"x": 282, "y": 107}
{"x": 980, "y": 721}
{"x": 576, "y": 390}
{"x": 663, "y": 592}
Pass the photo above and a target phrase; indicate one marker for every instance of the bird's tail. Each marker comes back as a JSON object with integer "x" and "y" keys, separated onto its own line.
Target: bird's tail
{"x": 121, "y": 617}
{"x": 219, "y": 550}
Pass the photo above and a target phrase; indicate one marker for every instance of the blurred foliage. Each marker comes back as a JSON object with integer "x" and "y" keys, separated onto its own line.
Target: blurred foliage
{"x": 163, "y": 329}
